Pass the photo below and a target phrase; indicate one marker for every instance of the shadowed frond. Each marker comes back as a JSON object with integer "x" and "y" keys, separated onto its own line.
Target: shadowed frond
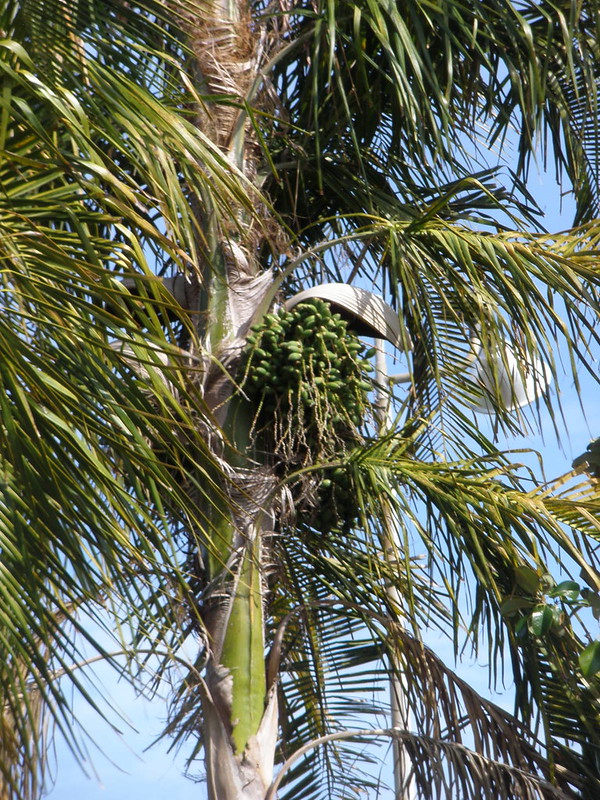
{"x": 419, "y": 84}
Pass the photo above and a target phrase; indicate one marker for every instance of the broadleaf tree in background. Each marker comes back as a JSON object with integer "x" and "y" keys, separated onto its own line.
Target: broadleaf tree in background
{"x": 187, "y": 456}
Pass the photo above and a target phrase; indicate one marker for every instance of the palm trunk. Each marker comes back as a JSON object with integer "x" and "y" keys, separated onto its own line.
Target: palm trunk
{"x": 240, "y": 714}
{"x": 239, "y": 710}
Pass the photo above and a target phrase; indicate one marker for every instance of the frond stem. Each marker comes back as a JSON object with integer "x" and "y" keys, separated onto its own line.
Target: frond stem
{"x": 405, "y": 736}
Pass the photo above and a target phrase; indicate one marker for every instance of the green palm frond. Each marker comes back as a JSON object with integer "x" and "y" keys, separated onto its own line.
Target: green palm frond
{"x": 331, "y": 679}
{"x": 128, "y": 152}
{"x": 67, "y": 36}
{"x": 414, "y": 83}
{"x": 454, "y": 717}
{"x": 83, "y": 468}
{"x": 452, "y": 284}
{"x": 567, "y": 54}
{"x": 100, "y": 407}
{"x": 479, "y": 529}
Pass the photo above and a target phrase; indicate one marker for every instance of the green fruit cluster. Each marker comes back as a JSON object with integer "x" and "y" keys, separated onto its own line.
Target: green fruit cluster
{"x": 308, "y": 377}
{"x": 337, "y": 506}
{"x": 306, "y": 363}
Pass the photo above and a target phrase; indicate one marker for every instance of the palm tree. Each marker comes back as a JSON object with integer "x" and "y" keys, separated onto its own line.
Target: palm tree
{"x": 192, "y": 452}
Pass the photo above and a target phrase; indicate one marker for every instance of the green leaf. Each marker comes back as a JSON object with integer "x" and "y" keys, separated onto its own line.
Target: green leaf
{"x": 514, "y": 604}
{"x": 593, "y": 600}
{"x": 589, "y": 660}
{"x": 567, "y": 590}
{"x": 528, "y": 579}
{"x": 521, "y": 627}
{"x": 541, "y": 619}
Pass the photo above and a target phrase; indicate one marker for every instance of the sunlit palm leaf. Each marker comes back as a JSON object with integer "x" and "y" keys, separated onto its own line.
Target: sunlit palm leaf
{"x": 463, "y": 514}
{"x": 81, "y": 458}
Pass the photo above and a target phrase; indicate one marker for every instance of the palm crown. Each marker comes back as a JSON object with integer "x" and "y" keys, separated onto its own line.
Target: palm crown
{"x": 172, "y": 435}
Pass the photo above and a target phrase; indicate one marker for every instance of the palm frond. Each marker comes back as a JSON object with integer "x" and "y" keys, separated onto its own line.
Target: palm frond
{"x": 93, "y": 493}
{"x": 336, "y": 612}
{"x": 417, "y": 85}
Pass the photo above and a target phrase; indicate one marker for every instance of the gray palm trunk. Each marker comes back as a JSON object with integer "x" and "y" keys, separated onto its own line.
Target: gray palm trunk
{"x": 239, "y": 710}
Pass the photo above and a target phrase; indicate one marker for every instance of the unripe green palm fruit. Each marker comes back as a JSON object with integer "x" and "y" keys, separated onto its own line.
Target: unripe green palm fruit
{"x": 308, "y": 377}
